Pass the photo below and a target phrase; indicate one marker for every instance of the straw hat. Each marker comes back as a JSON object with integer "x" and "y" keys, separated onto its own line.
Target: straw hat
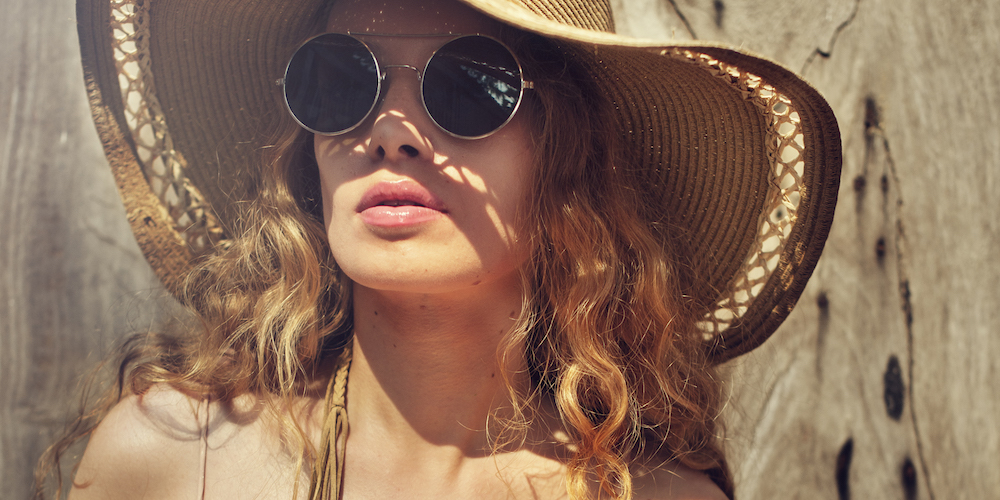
{"x": 744, "y": 154}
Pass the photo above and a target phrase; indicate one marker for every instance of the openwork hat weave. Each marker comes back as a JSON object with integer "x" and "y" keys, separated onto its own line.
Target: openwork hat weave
{"x": 743, "y": 155}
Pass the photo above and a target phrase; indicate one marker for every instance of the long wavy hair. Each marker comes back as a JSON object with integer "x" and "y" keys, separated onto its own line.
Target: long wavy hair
{"x": 607, "y": 332}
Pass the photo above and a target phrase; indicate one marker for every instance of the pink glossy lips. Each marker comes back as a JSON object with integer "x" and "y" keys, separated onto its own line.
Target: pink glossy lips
{"x": 398, "y": 204}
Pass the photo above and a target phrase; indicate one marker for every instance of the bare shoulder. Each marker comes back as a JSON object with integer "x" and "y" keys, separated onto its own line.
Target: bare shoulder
{"x": 673, "y": 481}
{"x": 147, "y": 446}
{"x": 167, "y": 445}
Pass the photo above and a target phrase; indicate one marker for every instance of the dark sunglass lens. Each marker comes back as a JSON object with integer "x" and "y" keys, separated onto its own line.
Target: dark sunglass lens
{"x": 331, "y": 83}
{"x": 472, "y": 86}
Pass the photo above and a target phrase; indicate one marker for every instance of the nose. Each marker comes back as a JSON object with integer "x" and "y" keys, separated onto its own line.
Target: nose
{"x": 398, "y": 131}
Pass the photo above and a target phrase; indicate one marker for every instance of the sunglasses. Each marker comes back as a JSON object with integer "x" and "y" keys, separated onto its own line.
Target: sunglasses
{"x": 470, "y": 87}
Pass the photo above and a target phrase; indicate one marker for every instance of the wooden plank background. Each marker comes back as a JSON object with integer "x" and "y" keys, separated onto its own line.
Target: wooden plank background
{"x": 72, "y": 279}
{"x": 880, "y": 385}
{"x": 883, "y": 382}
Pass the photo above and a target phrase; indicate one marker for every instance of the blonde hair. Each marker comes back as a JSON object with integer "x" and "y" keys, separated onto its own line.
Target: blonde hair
{"x": 615, "y": 340}
{"x": 608, "y": 332}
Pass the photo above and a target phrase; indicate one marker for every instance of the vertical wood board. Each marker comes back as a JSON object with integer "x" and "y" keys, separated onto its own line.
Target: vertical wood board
{"x": 910, "y": 272}
{"x": 72, "y": 280}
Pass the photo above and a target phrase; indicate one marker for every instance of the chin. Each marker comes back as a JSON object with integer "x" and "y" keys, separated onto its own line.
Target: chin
{"x": 417, "y": 266}
{"x": 436, "y": 278}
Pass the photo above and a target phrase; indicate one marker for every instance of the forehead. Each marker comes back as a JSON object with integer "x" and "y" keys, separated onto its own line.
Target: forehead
{"x": 408, "y": 17}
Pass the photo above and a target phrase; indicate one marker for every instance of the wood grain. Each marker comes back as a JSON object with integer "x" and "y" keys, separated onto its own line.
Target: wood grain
{"x": 911, "y": 270}
{"x": 72, "y": 280}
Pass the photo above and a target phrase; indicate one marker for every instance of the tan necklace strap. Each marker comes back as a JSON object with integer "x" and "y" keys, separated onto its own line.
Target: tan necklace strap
{"x": 328, "y": 474}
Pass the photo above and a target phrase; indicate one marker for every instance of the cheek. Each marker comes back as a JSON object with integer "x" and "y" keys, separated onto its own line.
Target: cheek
{"x": 506, "y": 188}
{"x": 328, "y": 188}
{"x": 332, "y": 160}
{"x": 512, "y": 183}
{"x": 512, "y": 196}
{"x": 327, "y": 184}
{"x": 337, "y": 227}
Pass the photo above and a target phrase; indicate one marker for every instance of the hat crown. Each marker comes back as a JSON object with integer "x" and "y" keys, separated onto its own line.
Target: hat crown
{"x": 588, "y": 14}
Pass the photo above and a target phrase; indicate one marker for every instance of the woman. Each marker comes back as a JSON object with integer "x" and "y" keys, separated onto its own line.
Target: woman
{"x": 509, "y": 249}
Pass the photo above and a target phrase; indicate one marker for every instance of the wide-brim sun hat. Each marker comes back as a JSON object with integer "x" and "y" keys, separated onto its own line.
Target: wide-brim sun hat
{"x": 744, "y": 154}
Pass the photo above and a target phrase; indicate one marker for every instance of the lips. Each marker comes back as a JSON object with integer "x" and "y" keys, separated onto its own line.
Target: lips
{"x": 399, "y": 204}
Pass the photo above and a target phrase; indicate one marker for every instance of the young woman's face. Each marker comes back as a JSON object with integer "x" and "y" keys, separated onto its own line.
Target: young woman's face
{"x": 408, "y": 207}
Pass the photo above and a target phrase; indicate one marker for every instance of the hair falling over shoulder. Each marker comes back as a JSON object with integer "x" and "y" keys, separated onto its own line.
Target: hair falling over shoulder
{"x": 610, "y": 338}
{"x": 268, "y": 310}
{"x": 613, "y": 340}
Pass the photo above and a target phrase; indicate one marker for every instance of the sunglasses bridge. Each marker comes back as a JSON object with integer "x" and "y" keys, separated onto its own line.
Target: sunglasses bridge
{"x": 420, "y": 74}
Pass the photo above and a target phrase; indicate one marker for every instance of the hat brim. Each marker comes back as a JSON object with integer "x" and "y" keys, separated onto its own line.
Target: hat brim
{"x": 695, "y": 114}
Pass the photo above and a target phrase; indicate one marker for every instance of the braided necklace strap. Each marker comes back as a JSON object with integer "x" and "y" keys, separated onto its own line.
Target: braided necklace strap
{"x": 328, "y": 474}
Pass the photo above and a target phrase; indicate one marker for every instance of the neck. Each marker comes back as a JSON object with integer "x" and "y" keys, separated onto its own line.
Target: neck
{"x": 426, "y": 373}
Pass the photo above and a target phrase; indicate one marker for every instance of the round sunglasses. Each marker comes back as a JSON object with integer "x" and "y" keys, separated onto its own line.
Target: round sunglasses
{"x": 470, "y": 87}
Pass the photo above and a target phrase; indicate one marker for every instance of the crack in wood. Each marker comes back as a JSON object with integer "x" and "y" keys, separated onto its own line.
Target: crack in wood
{"x": 687, "y": 25}
{"x": 720, "y": 11}
{"x": 908, "y": 475}
{"x": 825, "y": 54}
{"x": 823, "y": 304}
{"x": 874, "y": 132}
{"x": 112, "y": 242}
{"x": 767, "y": 401}
{"x": 894, "y": 389}
{"x": 880, "y": 250}
{"x": 842, "y": 471}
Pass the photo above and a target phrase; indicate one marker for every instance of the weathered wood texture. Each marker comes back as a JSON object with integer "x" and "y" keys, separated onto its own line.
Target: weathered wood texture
{"x": 821, "y": 411}
{"x": 882, "y": 384}
{"x": 72, "y": 280}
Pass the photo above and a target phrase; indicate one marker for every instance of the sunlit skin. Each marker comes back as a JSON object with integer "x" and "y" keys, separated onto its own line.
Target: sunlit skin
{"x": 433, "y": 299}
